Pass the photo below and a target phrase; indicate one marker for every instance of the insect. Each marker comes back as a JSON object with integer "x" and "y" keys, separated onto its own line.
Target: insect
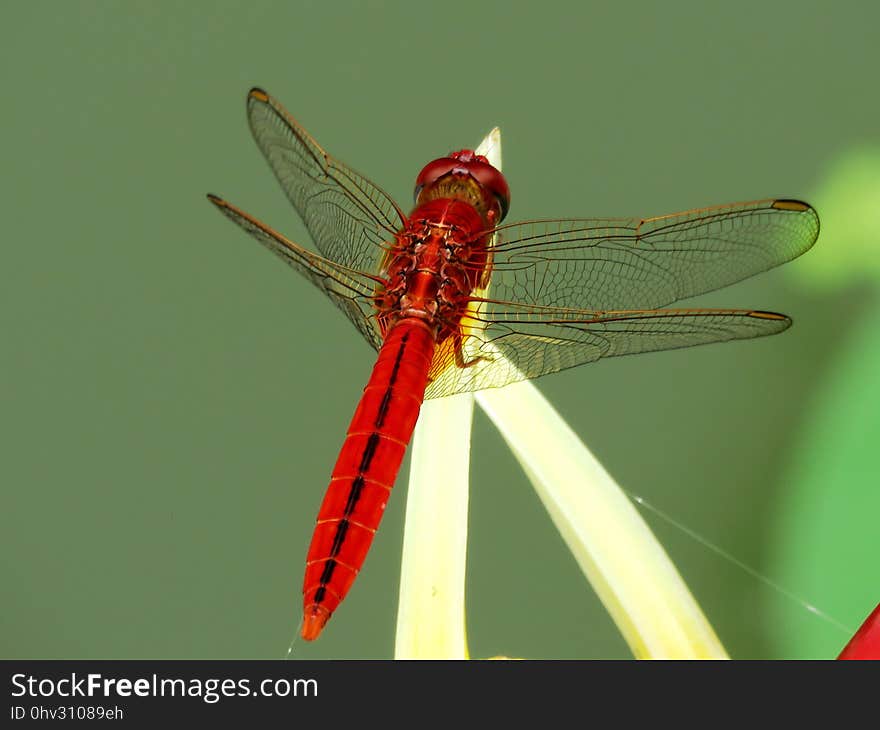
{"x": 455, "y": 300}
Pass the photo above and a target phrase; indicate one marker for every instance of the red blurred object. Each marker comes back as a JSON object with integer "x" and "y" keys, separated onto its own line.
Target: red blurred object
{"x": 866, "y": 642}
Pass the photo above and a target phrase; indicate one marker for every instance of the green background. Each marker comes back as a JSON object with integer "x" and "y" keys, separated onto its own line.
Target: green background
{"x": 173, "y": 398}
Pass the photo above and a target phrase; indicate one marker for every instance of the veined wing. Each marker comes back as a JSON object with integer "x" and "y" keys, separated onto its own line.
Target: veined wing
{"x": 514, "y": 343}
{"x": 350, "y": 290}
{"x": 350, "y": 219}
{"x": 607, "y": 263}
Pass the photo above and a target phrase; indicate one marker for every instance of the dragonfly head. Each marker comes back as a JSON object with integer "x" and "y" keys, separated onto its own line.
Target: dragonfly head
{"x": 466, "y": 176}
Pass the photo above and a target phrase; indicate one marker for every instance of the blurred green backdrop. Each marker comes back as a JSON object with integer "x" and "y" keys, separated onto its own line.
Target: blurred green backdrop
{"x": 173, "y": 398}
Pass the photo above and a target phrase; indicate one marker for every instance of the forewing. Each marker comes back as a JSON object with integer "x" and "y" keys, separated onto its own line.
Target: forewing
{"x": 350, "y": 290}
{"x": 603, "y": 264}
{"x": 350, "y": 219}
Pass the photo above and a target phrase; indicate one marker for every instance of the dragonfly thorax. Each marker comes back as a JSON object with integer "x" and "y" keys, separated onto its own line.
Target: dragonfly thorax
{"x": 437, "y": 261}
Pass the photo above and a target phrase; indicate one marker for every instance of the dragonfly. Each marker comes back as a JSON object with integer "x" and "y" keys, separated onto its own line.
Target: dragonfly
{"x": 455, "y": 300}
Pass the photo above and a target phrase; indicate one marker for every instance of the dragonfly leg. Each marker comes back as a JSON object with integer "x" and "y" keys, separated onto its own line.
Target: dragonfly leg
{"x": 458, "y": 348}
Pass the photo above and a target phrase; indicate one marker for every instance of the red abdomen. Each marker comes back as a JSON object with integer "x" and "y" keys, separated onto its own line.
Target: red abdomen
{"x": 365, "y": 470}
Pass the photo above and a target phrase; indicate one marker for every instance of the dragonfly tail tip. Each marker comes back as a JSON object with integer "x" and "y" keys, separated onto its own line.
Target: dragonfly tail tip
{"x": 315, "y": 618}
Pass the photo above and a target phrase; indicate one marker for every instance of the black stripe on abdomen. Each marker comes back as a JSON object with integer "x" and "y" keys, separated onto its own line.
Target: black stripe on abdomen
{"x": 386, "y": 398}
{"x": 357, "y": 484}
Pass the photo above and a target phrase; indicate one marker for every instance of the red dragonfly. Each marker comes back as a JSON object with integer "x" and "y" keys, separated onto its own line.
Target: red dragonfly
{"x": 563, "y": 292}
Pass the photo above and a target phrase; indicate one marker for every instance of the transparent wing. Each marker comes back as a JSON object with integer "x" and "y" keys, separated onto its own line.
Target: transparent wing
{"x": 601, "y": 264}
{"x": 350, "y": 218}
{"x": 562, "y": 292}
{"x": 567, "y": 292}
{"x": 522, "y": 342}
{"x": 350, "y": 290}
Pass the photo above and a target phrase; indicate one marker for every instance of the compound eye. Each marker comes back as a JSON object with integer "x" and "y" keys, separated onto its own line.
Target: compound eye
{"x": 503, "y": 205}
{"x": 492, "y": 181}
{"x": 432, "y": 172}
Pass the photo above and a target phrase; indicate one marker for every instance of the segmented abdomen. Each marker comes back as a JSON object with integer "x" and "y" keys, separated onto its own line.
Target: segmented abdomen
{"x": 365, "y": 470}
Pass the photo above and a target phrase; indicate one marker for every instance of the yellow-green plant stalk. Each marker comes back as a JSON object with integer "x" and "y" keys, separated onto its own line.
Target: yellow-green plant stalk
{"x": 430, "y": 615}
{"x": 617, "y": 552}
